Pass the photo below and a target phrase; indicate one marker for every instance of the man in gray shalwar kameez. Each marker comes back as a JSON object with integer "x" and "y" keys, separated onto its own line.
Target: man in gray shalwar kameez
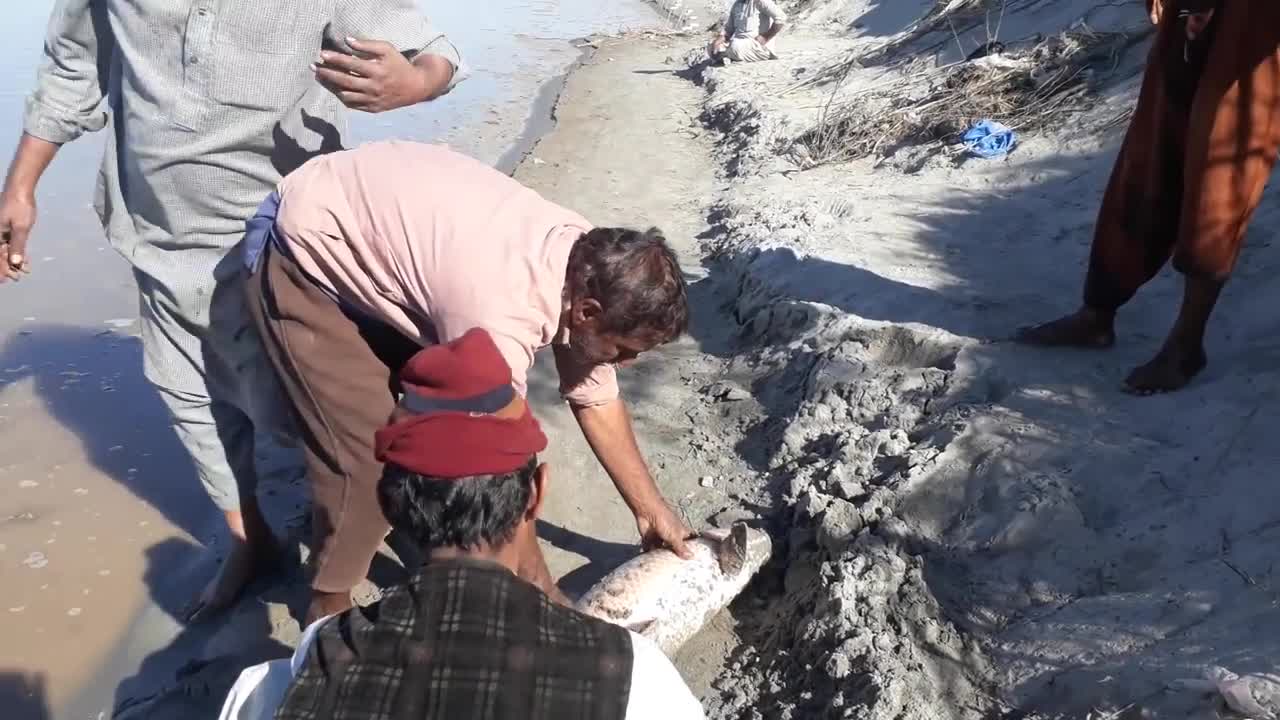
{"x": 208, "y": 103}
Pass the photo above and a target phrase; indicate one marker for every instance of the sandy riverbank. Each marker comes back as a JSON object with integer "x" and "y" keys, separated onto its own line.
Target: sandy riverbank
{"x": 976, "y": 529}
{"x": 968, "y": 529}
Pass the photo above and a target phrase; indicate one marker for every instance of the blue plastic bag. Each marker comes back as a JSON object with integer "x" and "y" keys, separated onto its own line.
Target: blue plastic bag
{"x": 990, "y": 139}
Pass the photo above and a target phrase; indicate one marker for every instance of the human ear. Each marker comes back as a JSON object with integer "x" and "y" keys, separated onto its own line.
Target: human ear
{"x": 588, "y": 310}
{"x": 539, "y": 492}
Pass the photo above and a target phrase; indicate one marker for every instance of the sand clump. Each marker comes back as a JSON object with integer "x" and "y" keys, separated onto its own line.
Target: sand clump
{"x": 854, "y": 410}
{"x": 854, "y": 630}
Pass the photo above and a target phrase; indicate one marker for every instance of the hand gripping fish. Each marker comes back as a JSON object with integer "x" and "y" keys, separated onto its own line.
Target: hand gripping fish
{"x": 667, "y": 599}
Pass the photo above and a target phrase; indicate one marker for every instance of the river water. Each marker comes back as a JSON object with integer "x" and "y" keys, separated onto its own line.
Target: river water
{"x": 101, "y": 517}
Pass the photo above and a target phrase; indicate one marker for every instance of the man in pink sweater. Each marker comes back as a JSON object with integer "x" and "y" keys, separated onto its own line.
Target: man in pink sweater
{"x": 364, "y": 256}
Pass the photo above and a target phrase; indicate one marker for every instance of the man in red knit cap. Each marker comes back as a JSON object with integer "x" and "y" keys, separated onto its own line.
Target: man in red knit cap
{"x": 467, "y": 636}
{"x": 460, "y": 417}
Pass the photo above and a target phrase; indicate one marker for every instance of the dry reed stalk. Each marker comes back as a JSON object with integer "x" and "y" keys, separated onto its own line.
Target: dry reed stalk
{"x": 1027, "y": 90}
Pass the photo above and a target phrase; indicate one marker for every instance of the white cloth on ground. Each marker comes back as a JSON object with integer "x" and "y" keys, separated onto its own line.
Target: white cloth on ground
{"x": 657, "y": 690}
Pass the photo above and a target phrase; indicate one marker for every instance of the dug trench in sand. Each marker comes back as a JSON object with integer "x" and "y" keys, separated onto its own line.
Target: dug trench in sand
{"x": 463, "y": 481}
{"x": 1190, "y": 174}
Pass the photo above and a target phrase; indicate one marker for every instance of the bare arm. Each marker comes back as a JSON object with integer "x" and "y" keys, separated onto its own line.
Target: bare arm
{"x": 18, "y": 203}
{"x": 30, "y": 161}
{"x": 437, "y": 75}
{"x": 608, "y": 430}
{"x": 70, "y": 88}
{"x": 777, "y": 19}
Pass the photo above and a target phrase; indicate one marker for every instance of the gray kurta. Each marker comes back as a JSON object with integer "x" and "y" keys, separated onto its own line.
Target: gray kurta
{"x": 748, "y": 18}
{"x": 744, "y": 22}
{"x": 208, "y": 104}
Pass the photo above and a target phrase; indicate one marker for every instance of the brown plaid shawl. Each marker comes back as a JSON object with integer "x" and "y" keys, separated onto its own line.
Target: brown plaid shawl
{"x": 463, "y": 640}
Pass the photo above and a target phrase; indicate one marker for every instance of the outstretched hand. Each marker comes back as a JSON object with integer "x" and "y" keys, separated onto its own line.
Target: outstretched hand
{"x": 661, "y": 527}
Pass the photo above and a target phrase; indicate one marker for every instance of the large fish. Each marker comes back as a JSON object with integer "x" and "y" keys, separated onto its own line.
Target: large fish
{"x": 667, "y": 599}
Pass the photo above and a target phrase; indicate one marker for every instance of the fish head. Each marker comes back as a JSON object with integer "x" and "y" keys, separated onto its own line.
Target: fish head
{"x": 639, "y": 626}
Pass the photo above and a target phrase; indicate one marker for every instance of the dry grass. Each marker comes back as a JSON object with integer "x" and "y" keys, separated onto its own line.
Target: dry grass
{"x": 949, "y": 17}
{"x": 1028, "y": 90}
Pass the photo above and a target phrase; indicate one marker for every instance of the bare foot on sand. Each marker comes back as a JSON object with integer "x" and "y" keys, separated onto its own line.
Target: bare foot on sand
{"x": 324, "y": 604}
{"x": 1085, "y": 328}
{"x": 253, "y": 551}
{"x": 242, "y": 565}
{"x": 1171, "y": 369}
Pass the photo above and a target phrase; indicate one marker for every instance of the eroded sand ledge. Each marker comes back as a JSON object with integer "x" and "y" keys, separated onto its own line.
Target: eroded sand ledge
{"x": 974, "y": 529}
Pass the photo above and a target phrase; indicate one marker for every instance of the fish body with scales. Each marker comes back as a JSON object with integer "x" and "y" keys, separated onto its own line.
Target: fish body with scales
{"x": 668, "y": 599}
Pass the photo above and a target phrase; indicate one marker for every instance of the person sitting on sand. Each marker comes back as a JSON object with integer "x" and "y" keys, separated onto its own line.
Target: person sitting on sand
{"x": 747, "y": 32}
{"x": 365, "y": 255}
{"x": 466, "y": 637}
{"x": 1191, "y": 171}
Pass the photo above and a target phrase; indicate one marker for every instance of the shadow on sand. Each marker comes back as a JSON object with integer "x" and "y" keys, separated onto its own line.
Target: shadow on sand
{"x": 23, "y": 696}
{"x": 190, "y": 676}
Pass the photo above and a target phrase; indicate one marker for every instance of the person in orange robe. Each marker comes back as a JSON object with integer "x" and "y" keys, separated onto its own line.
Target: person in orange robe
{"x": 1197, "y": 155}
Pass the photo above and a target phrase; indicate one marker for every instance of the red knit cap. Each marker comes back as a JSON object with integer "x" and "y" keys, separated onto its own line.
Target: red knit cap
{"x": 459, "y": 416}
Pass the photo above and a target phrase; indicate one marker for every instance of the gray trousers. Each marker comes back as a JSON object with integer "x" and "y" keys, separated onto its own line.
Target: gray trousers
{"x": 742, "y": 50}
{"x": 203, "y": 354}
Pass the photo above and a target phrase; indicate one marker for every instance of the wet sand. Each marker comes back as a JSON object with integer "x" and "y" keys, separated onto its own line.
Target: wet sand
{"x": 102, "y": 522}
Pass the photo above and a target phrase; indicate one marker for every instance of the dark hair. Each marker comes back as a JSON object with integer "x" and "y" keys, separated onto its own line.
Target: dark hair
{"x": 463, "y": 513}
{"x": 637, "y": 279}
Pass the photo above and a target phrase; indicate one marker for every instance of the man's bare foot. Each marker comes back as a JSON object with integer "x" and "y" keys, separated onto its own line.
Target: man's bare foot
{"x": 1085, "y": 328}
{"x": 324, "y": 604}
{"x": 242, "y": 565}
{"x": 1171, "y": 369}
